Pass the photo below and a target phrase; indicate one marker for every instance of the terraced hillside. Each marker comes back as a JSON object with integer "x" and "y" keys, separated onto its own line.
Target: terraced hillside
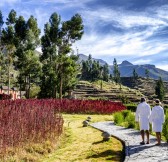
{"x": 110, "y": 91}
{"x": 129, "y": 91}
{"x": 145, "y": 86}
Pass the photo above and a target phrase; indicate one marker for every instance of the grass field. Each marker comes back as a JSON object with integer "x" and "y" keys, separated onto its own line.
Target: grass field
{"x": 85, "y": 144}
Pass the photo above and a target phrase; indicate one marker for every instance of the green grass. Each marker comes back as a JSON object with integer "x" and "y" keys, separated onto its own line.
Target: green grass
{"x": 85, "y": 144}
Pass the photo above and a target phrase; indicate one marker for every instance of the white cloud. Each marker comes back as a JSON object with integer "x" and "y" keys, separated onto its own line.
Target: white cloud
{"x": 128, "y": 44}
{"x": 123, "y": 18}
{"x": 132, "y": 42}
{"x": 65, "y": 4}
{"x": 161, "y": 66}
{"x": 9, "y": 2}
{"x": 142, "y": 61}
{"x": 138, "y": 27}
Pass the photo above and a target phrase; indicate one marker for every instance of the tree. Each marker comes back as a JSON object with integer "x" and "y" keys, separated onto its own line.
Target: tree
{"x": 1, "y": 24}
{"x": 95, "y": 71}
{"x": 31, "y": 69}
{"x": 56, "y": 45}
{"x": 105, "y": 72}
{"x": 135, "y": 74}
{"x": 116, "y": 72}
{"x": 85, "y": 71}
{"x": 8, "y": 42}
{"x": 147, "y": 73}
{"x": 2, "y": 58}
{"x": 27, "y": 39}
{"x": 20, "y": 38}
{"x": 159, "y": 89}
{"x": 92, "y": 70}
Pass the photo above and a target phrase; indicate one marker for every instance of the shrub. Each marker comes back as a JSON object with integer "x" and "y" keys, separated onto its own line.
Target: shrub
{"x": 124, "y": 99}
{"x": 89, "y": 106}
{"x": 28, "y": 121}
{"x": 131, "y": 107}
{"x": 118, "y": 118}
{"x": 166, "y": 106}
{"x": 130, "y": 119}
{"x": 125, "y": 113}
{"x": 5, "y": 96}
{"x": 37, "y": 120}
{"x": 125, "y": 118}
{"x": 165, "y": 127}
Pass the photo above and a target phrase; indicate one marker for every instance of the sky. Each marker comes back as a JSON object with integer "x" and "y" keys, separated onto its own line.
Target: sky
{"x": 132, "y": 30}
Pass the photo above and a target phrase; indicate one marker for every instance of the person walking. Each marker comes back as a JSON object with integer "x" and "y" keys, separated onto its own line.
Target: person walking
{"x": 157, "y": 120}
{"x": 142, "y": 115}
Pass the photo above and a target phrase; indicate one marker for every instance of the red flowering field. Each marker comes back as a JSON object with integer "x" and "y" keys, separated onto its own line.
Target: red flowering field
{"x": 35, "y": 120}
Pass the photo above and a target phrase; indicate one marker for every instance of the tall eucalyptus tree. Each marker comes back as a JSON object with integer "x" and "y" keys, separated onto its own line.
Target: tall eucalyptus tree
{"x": 1, "y": 54}
{"x": 1, "y": 24}
{"x": 59, "y": 68}
{"x": 21, "y": 38}
{"x": 7, "y": 40}
{"x": 116, "y": 72}
{"x": 27, "y": 40}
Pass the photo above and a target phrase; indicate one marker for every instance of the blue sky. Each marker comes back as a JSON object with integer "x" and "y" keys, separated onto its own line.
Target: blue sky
{"x": 132, "y": 30}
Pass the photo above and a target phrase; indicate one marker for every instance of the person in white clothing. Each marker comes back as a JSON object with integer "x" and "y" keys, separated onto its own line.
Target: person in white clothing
{"x": 157, "y": 120}
{"x": 143, "y": 112}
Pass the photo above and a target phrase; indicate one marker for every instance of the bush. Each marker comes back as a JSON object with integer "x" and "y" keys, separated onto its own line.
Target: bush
{"x": 5, "y": 97}
{"x": 125, "y": 118}
{"x": 130, "y": 119}
{"x": 125, "y": 113}
{"x": 166, "y": 106}
{"x": 124, "y": 99}
{"x": 165, "y": 127}
{"x": 26, "y": 121}
{"x": 131, "y": 107}
{"x": 118, "y": 118}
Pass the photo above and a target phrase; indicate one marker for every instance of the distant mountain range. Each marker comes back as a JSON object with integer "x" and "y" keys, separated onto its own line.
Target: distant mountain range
{"x": 84, "y": 58}
{"x": 126, "y": 69}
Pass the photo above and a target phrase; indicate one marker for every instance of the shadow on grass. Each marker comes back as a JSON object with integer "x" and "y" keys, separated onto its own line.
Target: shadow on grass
{"x": 98, "y": 142}
{"x": 111, "y": 155}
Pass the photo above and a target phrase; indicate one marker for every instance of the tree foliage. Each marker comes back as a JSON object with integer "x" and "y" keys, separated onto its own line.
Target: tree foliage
{"x": 59, "y": 68}
{"x": 55, "y": 69}
{"x": 135, "y": 74}
{"x": 20, "y": 38}
{"x": 116, "y": 72}
{"x": 147, "y": 73}
{"x": 159, "y": 89}
{"x": 92, "y": 70}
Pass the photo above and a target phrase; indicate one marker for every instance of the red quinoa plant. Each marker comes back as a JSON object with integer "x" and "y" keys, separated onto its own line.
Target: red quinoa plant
{"x": 36, "y": 120}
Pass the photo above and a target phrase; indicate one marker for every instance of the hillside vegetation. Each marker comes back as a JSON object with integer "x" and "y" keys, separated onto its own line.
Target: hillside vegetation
{"x": 106, "y": 90}
{"x": 129, "y": 91}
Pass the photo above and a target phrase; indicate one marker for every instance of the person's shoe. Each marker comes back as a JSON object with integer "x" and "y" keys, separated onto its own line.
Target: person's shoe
{"x": 147, "y": 142}
{"x": 142, "y": 143}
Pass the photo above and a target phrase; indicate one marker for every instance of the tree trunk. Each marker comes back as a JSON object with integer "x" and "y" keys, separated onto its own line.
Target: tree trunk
{"x": 9, "y": 77}
{"x": 60, "y": 86}
{"x": 28, "y": 95}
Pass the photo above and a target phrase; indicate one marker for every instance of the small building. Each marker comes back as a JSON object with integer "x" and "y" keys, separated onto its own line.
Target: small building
{"x": 4, "y": 90}
{"x": 21, "y": 94}
{"x": 13, "y": 92}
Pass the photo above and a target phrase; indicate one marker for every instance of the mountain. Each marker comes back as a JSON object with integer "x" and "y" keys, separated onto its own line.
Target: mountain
{"x": 126, "y": 69}
{"x": 84, "y": 58}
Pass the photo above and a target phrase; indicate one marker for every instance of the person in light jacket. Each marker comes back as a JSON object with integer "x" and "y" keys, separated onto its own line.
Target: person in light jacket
{"x": 143, "y": 112}
{"x": 157, "y": 120}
